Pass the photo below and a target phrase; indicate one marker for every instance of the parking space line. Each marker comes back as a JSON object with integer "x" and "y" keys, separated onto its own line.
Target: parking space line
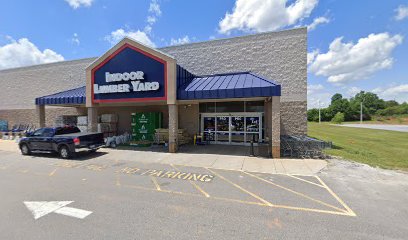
{"x": 295, "y": 192}
{"x": 53, "y": 172}
{"x": 154, "y": 180}
{"x": 343, "y": 213}
{"x": 118, "y": 180}
{"x": 304, "y": 180}
{"x": 351, "y": 212}
{"x": 194, "y": 184}
{"x": 241, "y": 188}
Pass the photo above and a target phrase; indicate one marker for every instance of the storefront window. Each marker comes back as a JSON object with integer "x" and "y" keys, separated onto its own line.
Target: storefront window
{"x": 207, "y": 107}
{"x": 209, "y": 124}
{"x": 225, "y": 107}
{"x": 230, "y": 107}
{"x": 237, "y": 124}
{"x": 252, "y": 124}
{"x": 222, "y": 123}
{"x": 257, "y": 106}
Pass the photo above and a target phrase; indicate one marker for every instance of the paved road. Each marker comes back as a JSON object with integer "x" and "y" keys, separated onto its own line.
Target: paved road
{"x": 130, "y": 200}
{"x": 398, "y": 128}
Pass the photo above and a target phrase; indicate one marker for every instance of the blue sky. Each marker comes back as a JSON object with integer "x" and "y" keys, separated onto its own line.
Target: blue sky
{"x": 352, "y": 45}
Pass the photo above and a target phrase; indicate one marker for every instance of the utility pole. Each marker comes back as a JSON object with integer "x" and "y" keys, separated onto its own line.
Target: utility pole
{"x": 361, "y": 112}
{"x": 319, "y": 111}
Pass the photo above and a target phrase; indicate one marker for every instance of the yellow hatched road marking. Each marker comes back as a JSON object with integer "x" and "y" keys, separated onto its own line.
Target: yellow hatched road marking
{"x": 53, "y": 172}
{"x": 304, "y": 180}
{"x": 351, "y": 212}
{"x": 193, "y": 183}
{"x": 241, "y": 188}
{"x": 294, "y": 192}
{"x": 154, "y": 180}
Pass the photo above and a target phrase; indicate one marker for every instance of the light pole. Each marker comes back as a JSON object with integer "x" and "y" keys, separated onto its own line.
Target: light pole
{"x": 361, "y": 112}
{"x": 319, "y": 111}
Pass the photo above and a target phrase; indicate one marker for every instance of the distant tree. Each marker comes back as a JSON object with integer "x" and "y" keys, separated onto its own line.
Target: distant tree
{"x": 371, "y": 102}
{"x": 391, "y": 103}
{"x": 338, "y": 118}
{"x": 339, "y": 104}
{"x": 336, "y": 97}
{"x": 313, "y": 115}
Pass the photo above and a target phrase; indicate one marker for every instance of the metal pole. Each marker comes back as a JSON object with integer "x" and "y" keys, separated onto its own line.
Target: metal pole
{"x": 319, "y": 113}
{"x": 361, "y": 112}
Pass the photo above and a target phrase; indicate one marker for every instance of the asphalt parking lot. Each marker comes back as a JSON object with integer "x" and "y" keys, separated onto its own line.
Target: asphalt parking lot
{"x": 123, "y": 199}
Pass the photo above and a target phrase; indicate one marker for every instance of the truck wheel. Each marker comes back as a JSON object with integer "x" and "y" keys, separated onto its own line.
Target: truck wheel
{"x": 25, "y": 150}
{"x": 64, "y": 152}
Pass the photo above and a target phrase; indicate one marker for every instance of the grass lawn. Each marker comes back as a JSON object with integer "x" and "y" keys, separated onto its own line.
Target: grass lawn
{"x": 385, "y": 149}
{"x": 390, "y": 120}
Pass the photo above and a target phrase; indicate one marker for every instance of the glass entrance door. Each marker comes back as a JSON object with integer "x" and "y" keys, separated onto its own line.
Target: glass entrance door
{"x": 233, "y": 128}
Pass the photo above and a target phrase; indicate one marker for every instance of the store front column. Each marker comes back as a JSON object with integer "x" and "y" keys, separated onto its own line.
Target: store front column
{"x": 173, "y": 128}
{"x": 275, "y": 135}
{"x": 92, "y": 119}
{"x": 40, "y": 109}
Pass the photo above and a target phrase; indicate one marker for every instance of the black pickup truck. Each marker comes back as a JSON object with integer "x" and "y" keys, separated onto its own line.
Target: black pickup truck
{"x": 64, "y": 140}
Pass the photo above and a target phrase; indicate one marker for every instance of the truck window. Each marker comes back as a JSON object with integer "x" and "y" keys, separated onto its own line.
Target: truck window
{"x": 48, "y": 132}
{"x": 38, "y": 133}
{"x": 66, "y": 130}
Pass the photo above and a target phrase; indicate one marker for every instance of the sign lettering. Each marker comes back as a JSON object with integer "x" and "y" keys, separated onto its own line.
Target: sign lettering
{"x": 136, "y": 83}
{"x": 198, "y": 177}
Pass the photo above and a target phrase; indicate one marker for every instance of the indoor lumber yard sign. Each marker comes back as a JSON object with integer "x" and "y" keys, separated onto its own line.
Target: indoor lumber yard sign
{"x": 136, "y": 79}
{"x": 129, "y": 75}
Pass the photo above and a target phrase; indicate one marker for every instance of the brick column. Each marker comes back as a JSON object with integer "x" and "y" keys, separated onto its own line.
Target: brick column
{"x": 173, "y": 128}
{"x": 40, "y": 109}
{"x": 275, "y": 139}
{"x": 92, "y": 119}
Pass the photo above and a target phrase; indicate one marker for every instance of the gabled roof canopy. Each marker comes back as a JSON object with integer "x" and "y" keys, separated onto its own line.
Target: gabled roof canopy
{"x": 230, "y": 85}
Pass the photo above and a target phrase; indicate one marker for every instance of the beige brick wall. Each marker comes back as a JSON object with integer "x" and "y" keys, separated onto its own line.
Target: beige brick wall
{"x": 29, "y": 116}
{"x": 189, "y": 118}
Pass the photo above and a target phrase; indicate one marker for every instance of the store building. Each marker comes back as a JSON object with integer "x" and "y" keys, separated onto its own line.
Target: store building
{"x": 238, "y": 89}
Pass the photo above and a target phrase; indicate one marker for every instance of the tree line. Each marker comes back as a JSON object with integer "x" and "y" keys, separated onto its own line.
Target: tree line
{"x": 343, "y": 109}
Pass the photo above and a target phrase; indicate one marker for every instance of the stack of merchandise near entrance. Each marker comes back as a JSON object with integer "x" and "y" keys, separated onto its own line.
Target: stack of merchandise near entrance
{"x": 162, "y": 136}
{"x": 64, "y": 120}
{"x": 144, "y": 126}
{"x": 82, "y": 123}
{"x": 108, "y": 125}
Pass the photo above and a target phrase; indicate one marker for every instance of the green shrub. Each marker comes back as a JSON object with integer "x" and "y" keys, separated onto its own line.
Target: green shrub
{"x": 338, "y": 118}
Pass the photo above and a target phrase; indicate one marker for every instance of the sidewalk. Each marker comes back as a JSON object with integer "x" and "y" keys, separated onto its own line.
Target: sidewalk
{"x": 217, "y": 161}
{"x": 226, "y": 162}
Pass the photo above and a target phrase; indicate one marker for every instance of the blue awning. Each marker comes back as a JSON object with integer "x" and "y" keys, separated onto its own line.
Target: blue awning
{"x": 70, "y": 97}
{"x": 231, "y": 85}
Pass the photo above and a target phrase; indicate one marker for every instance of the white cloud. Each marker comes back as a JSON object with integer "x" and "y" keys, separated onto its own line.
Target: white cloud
{"x": 311, "y": 56}
{"x": 151, "y": 20}
{"x": 402, "y": 13}
{"x": 316, "y": 22}
{"x": 316, "y": 96}
{"x": 75, "y": 39}
{"x": 398, "y": 93}
{"x": 351, "y": 92}
{"x": 23, "y": 53}
{"x": 154, "y": 14}
{"x": 79, "y": 3}
{"x": 265, "y": 15}
{"x": 346, "y": 62}
{"x": 138, "y": 35}
{"x": 154, "y": 8}
{"x": 180, "y": 41}
{"x": 313, "y": 88}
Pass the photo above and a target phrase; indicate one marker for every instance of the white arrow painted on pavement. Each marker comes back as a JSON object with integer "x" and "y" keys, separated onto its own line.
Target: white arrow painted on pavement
{"x": 42, "y": 208}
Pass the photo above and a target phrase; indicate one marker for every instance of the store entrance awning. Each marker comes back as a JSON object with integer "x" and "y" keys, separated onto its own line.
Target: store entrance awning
{"x": 231, "y": 85}
{"x": 75, "y": 96}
